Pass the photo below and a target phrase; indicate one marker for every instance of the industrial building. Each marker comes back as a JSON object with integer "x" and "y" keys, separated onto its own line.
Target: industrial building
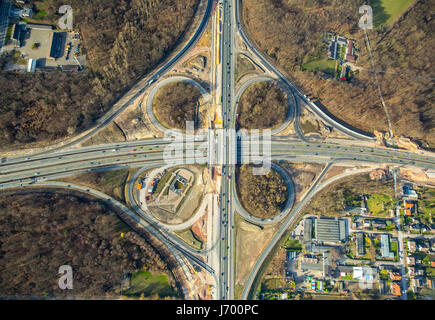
{"x": 57, "y": 45}
{"x": 312, "y": 263}
{"x": 17, "y": 34}
{"x": 360, "y": 244}
{"x": 385, "y": 247}
{"x": 31, "y": 66}
{"x": 330, "y": 230}
{"x": 308, "y": 231}
{"x": 4, "y": 21}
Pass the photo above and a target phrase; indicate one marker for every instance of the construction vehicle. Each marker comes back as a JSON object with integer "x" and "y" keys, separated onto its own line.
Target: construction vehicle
{"x": 77, "y": 50}
{"x": 67, "y": 50}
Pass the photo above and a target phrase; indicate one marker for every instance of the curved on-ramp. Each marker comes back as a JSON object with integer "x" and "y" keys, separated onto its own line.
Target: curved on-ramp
{"x": 314, "y": 189}
{"x": 328, "y": 118}
{"x": 162, "y": 226}
{"x": 287, "y": 208}
{"x": 150, "y": 98}
{"x": 291, "y": 111}
{"x": 137, "y": 90}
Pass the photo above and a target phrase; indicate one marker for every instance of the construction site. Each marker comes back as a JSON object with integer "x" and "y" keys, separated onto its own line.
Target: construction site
{"x": 41, "y": 46}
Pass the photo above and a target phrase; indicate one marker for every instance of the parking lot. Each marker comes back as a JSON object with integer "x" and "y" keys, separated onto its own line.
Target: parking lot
{"x": 45, "y": 38}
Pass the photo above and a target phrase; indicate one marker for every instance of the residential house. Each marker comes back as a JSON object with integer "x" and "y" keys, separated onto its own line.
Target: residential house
{"x": 429, "y": 283}
{"x": 395, "y": 289}
{"x": 395, "y": 276}
{"x": 411, "y": 246}
{"x": 343, "y": 271}
{"x": 350, "y": 52}
{"x": 333, "y": 50}
{"x": 366, "y": 223}
{"x": 410, "y": 260}
{"x": 413, "y": 284}
{"x": 364, "y": 273}
{"x": 423, "y": 246}
{"x": 378, "y": 174}
{"x": 355, "y": 210}
{"x": 411, "y": 271}
{"x": 379, "y": 223}
{"x": 409, "y": 208}
{"x": 419, "y": 271}
{"x": 409, "y": 193}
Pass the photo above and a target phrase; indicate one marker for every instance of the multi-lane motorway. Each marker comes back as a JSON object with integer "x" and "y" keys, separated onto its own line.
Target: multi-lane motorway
{"x": 226, "y": 224}
{"x": 43, "y": 169}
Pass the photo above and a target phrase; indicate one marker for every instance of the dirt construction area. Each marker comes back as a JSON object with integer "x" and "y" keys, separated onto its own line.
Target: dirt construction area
{"x": 180, "y": 195}
{"x": 250, "y": 242}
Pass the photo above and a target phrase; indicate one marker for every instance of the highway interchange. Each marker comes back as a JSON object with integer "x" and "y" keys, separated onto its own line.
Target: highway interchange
{"x": 43, "y": 169}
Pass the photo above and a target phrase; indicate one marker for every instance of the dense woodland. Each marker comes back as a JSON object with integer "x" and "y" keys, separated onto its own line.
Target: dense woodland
{"x": 122, "y": 39}
{"x": 264, "y": 196}
{"x": 176, "y": 103}
{"x": 262, "y": 105}
{"x": 40, "y": 231}
{"x": 290, "y": 33}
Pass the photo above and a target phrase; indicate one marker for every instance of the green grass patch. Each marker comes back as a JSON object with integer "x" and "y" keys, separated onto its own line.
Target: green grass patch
{"x": 387, "y": 11}
{"x": 394, "y": 248}
{"x": 243, "y": 66}
{"x": 238, "y": 291}
{"x": 9, "y": 33}
{"x": 326, "y": 66}
{"x": 163, "y": 181}
{"x": 430, "y": 272}
{"x": 341, "y": 51}
{"x": 17, "y": 59}
{"x": 383, "y": 275}
{"x": 273, "y": 284}
{"x": 188, "y": 236}
{"x": 379, "y": 204}
{"x": 426, "y": 205}
{"x": 293, "y": 245}
{"x": 309, "y": 127}
{"x": 149, "y": 284}
{"x": 110, "y": 182}
{"x": 39, "y": 15}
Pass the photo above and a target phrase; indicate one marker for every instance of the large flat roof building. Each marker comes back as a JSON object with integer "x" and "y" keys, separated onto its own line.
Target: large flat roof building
{"x": 39, "y": 26}
{"x": 308, "y": 229}
{"x": 57, "y": 45}
{"x": 312, "y": 263}
{"x": 360, "y": 243}
{"x": 4, "y": 21}
{"x": 385, "y": 247}
{"x": 330, "y": 230}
